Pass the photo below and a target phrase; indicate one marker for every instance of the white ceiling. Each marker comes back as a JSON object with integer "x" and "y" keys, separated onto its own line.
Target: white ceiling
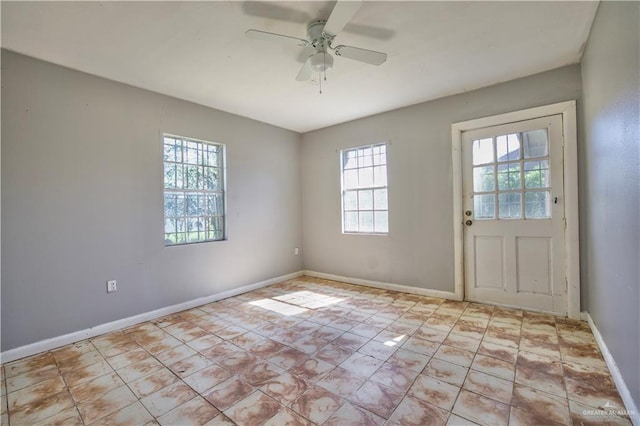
{"x": 198, "y": 51}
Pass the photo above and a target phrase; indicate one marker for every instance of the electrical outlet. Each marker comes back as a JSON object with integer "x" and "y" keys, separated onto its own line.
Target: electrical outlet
{"x": 296, "y": 251}
{"x": 112, "y": 286}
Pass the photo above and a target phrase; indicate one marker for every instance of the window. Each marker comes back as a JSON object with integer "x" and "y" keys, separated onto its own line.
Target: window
{"x": 194, "y": 201}
{"x": 511, "y": 176}
{"x": 364, "y": 190}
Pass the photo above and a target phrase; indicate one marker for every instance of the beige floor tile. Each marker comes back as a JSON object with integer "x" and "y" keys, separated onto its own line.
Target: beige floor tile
{"x": 416, "y": 412}
{"x": 285, "y": 388}
{"x": 493, "y": 350}
{"x": 153, "y": 382}
{"x": 167, "y": 398}
{"x": 395, "y": 377}
{"x": 494, "y": 366}
{"x": 103, "y": 405}
{"x": 362, "y": 365}
{"x": 134, "y": 414}
{"x": 227, "y": 393}
{"x": 31, "y": 377}
{"x": 69, "y": 417}
{"x": 350, "y": 414}
{"x": 437, "y": 392}
{"x": 454, "y": 355}
{"x": 98, "y": 386}
{"x": 196, "y": 411}
{"x": 489, "y": 386}
{"x": 480, "y": 409}
{"x": 317, "y": 404}
{"x": 377, "y": 398}
{"x": 410, "y": 360}
{"x": 446, "y": 371}
{"x": 541, "y": 404}
{"x": 311, "y": 369}
{"x": 255, "y": 409}
{"x": 42, "y": 409}
{"x": 33, "y": 393}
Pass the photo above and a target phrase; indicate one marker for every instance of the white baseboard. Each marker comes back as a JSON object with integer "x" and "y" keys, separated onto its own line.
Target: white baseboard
{"x": 56, "y": 342}
{"x": 385, "y": 286}
{"x": 623, "y": 390}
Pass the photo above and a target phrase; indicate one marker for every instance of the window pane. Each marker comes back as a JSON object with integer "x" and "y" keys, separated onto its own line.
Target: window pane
{"x": 351, "y": 200}
{"x": 191, "y": 177}
{"x": 195, "y": 205}
{"x": 173, "y": 205}
{"x": 365, "y": 157}
{"x": 484, "y": 206}
{"x": 365, "y": 200}
{"x": 483, "y": 151}
{"x": 350, "y": 179}
{"x": 380, "y": 176}
{"x": 365, "y": 177}
{"x": 380, "y": 199}
{"x": 535, "y": 143}
{"x": 509, "y": 205}
{"x": 365, "y": 221}
{"x": 214, "y": 205}
{"x": 483, "y": 179}
{"x": 196, "y": 214}
{"x": 380, "y": 155}
{"x": 211, "y": 179}
{"x": 536, "y": 174}
{"x": 192, "y": 153}
{"x": 351, "y": 221}
{"x": 508, "y": 147}
{"x": 509, "y": 176}
{"x": 381, "y": 223}
{"x": 212, "y": 156}
{"x": 172, "y": 150}
{"x": 350, "y": 159}
{"x": 537, "y": 205}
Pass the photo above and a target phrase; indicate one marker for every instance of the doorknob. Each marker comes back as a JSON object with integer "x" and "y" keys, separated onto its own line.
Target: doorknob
{"x": 467, "y": 213}
{"x": 468, "y": 222}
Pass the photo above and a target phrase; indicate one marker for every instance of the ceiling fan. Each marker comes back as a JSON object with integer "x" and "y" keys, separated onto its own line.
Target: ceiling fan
{"x": 320, "y": 36}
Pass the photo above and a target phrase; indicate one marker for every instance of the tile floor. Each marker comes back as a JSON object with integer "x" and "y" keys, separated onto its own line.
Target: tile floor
{"x": 311, "y": 351}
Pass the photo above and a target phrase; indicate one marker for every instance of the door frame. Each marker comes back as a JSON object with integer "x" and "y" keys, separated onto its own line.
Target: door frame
{"x": 570, "y": 162}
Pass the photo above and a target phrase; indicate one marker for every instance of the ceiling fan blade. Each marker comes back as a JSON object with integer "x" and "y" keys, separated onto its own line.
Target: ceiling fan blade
{"x": 305, "y": 71}
{"x": 341, "y": 15}
{"x": 278, "y": 38}
{"x": 274, "y": 11}
{"x": 363, "y": 55}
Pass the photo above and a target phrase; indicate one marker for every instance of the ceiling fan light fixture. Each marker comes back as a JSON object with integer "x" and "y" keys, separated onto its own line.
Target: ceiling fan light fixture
{"x": 321, "y": 62}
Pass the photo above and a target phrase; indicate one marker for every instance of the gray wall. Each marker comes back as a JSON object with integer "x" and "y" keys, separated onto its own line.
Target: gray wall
{"x": 610, "y": 183}
{"x": 82, "y": 202}
{"x": 419, "y": 248}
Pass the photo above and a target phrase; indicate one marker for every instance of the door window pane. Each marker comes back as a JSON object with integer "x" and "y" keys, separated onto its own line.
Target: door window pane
{"x": 535, "y": 143}
{"x": 484, "y": 206}
{"x": 483, "y": 179}
{"x": 537, "y": 204}
{"x": 508, "y": 147}
{"x": 509, "y": 205}
{"x": 509, "y": 176}
{"x": 483, "y": 151}
{"x": 536, "y": 174}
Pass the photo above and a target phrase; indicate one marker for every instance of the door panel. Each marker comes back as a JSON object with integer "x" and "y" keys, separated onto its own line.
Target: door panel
{"x": 514, "y": 214}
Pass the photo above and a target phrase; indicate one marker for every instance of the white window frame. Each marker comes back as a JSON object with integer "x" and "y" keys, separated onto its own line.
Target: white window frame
{"x": 372, "y": 187}
{"x": 217, "y": 197}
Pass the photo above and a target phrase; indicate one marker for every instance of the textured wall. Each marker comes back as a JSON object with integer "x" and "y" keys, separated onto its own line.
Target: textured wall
{"x": 610, "y": 183}
{"x": 82, "y": 202}
{"x": 419, "y": 248}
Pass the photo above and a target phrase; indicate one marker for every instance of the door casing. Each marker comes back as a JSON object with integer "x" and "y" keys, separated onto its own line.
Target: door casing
{"x": 572, "y": 248}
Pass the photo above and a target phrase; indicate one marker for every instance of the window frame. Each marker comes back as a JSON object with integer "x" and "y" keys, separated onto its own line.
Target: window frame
{"x": 222, "y": 189}
{"x": 373, "y": 187}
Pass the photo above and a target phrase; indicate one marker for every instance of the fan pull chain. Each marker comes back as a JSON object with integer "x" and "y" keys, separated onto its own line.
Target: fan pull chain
{"x": 320, "y": 81}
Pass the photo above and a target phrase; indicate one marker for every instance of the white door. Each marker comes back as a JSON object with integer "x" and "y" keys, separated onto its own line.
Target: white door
{"x": 513, "y": 206}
